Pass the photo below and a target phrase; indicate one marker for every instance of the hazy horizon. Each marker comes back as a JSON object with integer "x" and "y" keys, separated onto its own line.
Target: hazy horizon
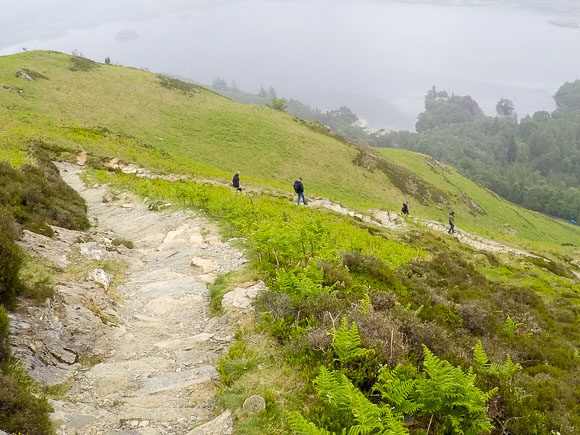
{"x": 377, "y": 57}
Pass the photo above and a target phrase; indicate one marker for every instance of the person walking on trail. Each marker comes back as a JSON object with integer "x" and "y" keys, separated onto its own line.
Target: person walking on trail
{"x": 405, "y": 209}
{"x": 451, "y": 222}
{"x": 236, "y": 182}
{"x": 299, "y": 189}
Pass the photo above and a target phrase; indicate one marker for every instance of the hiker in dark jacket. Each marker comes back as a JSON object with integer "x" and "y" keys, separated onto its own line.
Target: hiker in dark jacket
{"x": 405, "y": 209}
{"x": 451, "y": 222}
{"x": 236, "y": 182}
{"x": 299, "y": 189}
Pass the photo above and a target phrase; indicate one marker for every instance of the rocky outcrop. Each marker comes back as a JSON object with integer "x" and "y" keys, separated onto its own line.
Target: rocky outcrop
{"x": 24, "y": 75}
{"x": 53, "y": 339}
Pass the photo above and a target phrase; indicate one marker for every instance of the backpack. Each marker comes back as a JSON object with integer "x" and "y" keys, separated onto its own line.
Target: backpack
{"x": 297, "y": 186}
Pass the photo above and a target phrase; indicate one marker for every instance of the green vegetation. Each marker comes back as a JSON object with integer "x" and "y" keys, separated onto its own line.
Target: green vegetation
{"x": 321, "y": 268}
{"x": 123, "y": 242}
{"x": 534, "y": 162}
{"x": 33, "y": 196}
{"x": 482, "y": 211}
{"x": 361, "y": 325}
{"x": 172, "y": 126}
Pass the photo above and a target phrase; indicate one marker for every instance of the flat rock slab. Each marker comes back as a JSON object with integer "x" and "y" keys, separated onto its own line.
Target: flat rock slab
{"x": 223, "y": 424}
{"x": 240, "y": 298}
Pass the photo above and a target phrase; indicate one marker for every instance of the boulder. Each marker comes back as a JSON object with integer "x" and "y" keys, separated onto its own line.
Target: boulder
{"x": 254, "y": 404}
{"x": 101, "y": 277}
{"x": 240, "y": 299}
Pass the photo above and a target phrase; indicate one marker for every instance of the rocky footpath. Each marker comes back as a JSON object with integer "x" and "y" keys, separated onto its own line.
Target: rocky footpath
{"x": 138, "y": 358}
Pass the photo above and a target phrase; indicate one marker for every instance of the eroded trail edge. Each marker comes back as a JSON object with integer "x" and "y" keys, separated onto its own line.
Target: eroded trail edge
{"x": 158, "y": 375}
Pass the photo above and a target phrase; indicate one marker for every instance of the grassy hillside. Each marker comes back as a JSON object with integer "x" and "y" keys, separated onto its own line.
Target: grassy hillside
{"x": 113, "y": 111}
{"x": 488, "y": 214}
{"x": 383, "y": 323}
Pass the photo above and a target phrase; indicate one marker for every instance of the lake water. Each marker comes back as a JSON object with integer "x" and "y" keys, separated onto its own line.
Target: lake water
{"x": 377, "y": 57}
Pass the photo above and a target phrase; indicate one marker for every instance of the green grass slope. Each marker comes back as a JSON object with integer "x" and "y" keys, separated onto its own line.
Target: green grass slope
{"x": 479, "y": 209}
{"x": 110, "y": 111}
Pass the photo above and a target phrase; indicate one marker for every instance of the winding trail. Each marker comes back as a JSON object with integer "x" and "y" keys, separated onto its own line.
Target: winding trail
{"x": 159, "y": 374}
{"x": 382, "y": 218}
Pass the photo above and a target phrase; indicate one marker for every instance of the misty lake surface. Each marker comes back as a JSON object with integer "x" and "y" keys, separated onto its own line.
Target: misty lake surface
{"x": 378, "y": 58}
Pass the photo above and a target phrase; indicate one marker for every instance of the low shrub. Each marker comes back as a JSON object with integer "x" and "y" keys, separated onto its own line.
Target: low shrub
{"x": 371, "y": 266}
{"x": 4, "y": 336}
{"x": 21, "y": 410}
{"x": 123, "y": 242}
{"x": 38, "y": 197}
{"x": 10, "y": 259}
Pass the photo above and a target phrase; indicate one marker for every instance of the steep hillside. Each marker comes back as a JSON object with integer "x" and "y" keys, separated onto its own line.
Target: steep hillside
{"x": 74, "y": 104}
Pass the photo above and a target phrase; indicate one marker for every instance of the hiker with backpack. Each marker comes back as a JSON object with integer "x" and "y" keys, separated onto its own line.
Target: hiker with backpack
{"x": 405, "y": 209}
{"x": 451, "y": 222}
{"x": 299, "y": 189}
{"x": 236, "y": 182}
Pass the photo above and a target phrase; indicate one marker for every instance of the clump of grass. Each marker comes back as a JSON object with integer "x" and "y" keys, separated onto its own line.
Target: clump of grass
{"x": 81, "y": 64}
{"x": 37, "y": 279}
{"x": 178, "y": 85}
{"x": 123, "y": 242}
{"x": 58, "y": 391}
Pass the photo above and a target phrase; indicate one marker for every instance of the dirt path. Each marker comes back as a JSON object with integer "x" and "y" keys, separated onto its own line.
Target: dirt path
{"x": 159, "y": 375}
{"x": 387, "y": 219}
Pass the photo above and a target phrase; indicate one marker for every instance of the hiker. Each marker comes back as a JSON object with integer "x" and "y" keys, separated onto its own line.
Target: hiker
{"x": 405, "y": 209}
{"x": 299, "y": 189}
{"x": 236, "y": 182}
{"x": 451, "y": 222}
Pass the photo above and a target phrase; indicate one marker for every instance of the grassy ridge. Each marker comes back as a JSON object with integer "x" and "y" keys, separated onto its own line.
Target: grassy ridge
{"x": 168, "y": 125}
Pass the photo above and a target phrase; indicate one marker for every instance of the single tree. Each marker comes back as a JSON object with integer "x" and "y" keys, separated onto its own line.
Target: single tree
{"x": 107, "y": 60}
{"x": 505, "y": 107}
{"x": 219, "y": 84}
{"x": 262, "y": 93}
{"x": 279, "y": 104}
{"x": 272, "y": 92}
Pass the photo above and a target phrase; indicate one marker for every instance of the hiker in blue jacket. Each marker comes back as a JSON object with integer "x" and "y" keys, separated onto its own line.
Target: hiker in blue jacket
{"x": 299, "y": 189}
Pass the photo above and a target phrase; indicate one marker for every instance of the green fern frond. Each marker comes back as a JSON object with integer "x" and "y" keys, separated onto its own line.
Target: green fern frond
{"x": 368, "y": 418}
{"x": 397, "y": 391}
{"x": 481, "y": 359}
{"x": 300, "y": 426}
{"x": 346, "y": 343}
{"x": 329, "y": 388}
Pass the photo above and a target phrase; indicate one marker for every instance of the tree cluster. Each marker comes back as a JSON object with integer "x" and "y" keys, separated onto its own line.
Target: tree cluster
{"x": 534, "y": 162}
